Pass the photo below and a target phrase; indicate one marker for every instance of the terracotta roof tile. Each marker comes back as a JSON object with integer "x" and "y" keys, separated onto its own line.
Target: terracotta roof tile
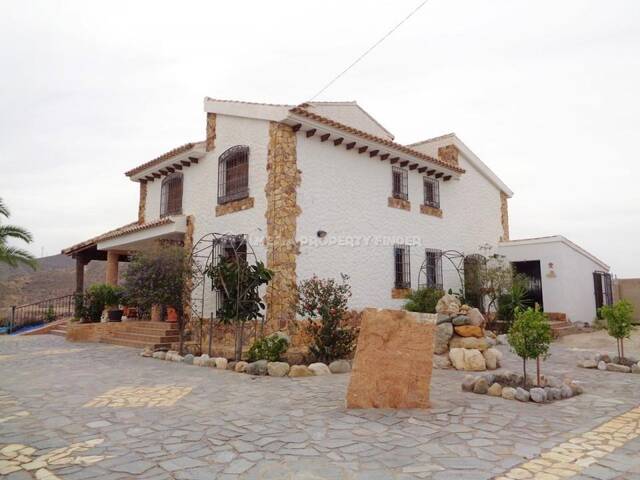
{"x": 171, "y": 153}
{"x": 299, "y": 110}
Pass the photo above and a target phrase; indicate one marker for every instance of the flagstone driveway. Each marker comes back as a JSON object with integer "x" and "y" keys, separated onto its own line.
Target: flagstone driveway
{"x": 134, "y": 417}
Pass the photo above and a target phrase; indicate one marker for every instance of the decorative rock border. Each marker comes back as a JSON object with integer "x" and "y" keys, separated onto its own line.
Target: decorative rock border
{"x": 602, "y": 361}
{"x": 259, "y": 368}
{"x": 508, "y": 385}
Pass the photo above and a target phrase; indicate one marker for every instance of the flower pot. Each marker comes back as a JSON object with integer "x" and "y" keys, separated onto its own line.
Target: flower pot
{"x": 172, "y": 315}
{"x": 115, "y": 315}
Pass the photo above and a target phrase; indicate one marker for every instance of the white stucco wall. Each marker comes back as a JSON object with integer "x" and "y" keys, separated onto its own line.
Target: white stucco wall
{"x": 570, "y": 288}
{"x": 200, "y": 186}
{"x": 346, "y": 195}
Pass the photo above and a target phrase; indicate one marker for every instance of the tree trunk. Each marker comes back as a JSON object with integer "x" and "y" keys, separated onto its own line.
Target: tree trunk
{"x": 621, "y": 349}
{"x": 538, "y": 371}
{"x": 240, "y": 342}
{"x": 524, "y": 371}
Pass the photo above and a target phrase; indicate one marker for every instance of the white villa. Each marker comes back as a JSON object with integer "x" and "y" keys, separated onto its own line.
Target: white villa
{"x": 320, "y": 189}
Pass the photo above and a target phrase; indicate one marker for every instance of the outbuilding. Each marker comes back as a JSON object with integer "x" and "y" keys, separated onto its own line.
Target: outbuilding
{"x": 563, "y": 277}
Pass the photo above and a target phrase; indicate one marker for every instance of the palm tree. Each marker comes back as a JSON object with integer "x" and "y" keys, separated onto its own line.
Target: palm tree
{"x": 14, "y": 256}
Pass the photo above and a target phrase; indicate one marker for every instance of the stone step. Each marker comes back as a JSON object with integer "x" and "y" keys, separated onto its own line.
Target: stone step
{"x": 149, "y": 326}
{"x": 61, "y": 332}
{"x": 135, "y": 344}
{"x": 144, "y": 337}
{"x": 145, "y": 331}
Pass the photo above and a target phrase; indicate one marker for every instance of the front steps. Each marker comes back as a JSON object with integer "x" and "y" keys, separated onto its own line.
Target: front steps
{"x": 560, "y": 325}
{"x": 140, "y": 334}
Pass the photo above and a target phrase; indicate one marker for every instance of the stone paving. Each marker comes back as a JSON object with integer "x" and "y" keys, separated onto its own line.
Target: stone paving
{"x": 135, "y": 417}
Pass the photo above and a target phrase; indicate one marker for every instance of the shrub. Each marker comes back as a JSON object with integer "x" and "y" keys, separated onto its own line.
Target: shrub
{"x": 99, "y": 296}
{"x": 515, "y": 299}
{"x": 530, "y": 337}
{"x": 423, "y": 300}
{"x": 618, "y": 318}
{"x": 268, "y": 348}
{"x": 324, "y": 301}
{"x": 50, "y": 314}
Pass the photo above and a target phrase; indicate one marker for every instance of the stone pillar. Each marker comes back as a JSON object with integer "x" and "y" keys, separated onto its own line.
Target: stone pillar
{"x": 282, "y": 212}
{"x": 448, "y": 154}
{"x": 210, "y": 142}
{"x": 112, "y": 267}
{"x": 504, "y": 216}
{"x": 80, "y": 263}
{"x": 142, "y": 203}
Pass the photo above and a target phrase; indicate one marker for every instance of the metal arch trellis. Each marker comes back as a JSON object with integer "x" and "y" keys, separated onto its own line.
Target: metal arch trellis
{"x": 206, "y": 253}
{"x": 455, "y": 258}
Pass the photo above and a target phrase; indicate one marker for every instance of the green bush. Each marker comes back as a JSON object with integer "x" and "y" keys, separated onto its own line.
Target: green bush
{"x": 423, "y": 300}
{"x": 619, "y": 326}
{"x": 269, "y": 348}
{"x": 530, "y": 336}
{"x": 514, "y": 299}
{"x": 99, "y": 296}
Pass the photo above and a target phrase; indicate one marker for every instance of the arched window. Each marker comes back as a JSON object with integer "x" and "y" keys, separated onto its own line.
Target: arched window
{"x": 233, "y": 174}
{"x": 171, "y": 195}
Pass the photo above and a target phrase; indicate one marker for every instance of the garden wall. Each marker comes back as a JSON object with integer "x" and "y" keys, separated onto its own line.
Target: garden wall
{"x": 90, "y": 332}
{"x": 629, "y": 289}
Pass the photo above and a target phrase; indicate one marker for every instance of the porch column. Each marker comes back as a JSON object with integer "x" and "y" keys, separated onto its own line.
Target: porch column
{"x": 80, "y": 263}
{"x": 112, "y": 267}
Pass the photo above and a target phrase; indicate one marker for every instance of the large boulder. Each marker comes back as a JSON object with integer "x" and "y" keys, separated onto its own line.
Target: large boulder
{"x": 469, "y": 331}
{"x": 300, "y": 371}
{"x": 443, "y": 334}
{"x": 257, "y": 368}
{"x": 492, "y": 357}
{"x": 277, "y": 369}
{"x": 456, "y": 355}
{"x": 448, "y": 304}
{"x": 476, "y": 318}
{"x": 468, "y": 342}
{"x": 319, "y": 368}
{"x": 240, "y": 367}
{"x": 393, "y": 360}
{"x": 474, "y": 361}
{"x": 340, "y": 366}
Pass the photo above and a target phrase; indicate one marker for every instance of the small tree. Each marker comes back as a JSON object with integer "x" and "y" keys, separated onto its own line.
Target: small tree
{"x": 324, "y": 302}
{"x": 530, "y": 337}
{"x": 240, "y": 284}
{"x": 619, "y": 326}
{"x": 423, "y": 300}
{"x": 496, "y": 279}
{"x": 160, "y": 276}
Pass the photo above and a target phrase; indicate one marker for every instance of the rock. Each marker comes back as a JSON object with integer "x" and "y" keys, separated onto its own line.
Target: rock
{"x": 491, "y": 341}
{"x": 443, "y": 334}
{"x": 474, "y": 361}
{"x": 614, "y": 367}
{"x": 495, "y": 390}
{"x": 340, "y": 366}
{"x": 490, "y": 378}
{"x": 441, "y": 362}
{"x": 443, "y": 318}
{"x": 522, "y": 395}
{"x": 626, "y": 361}
{"x": 257, "y": 368}
{"x": 481, "y": 386}
{"x": 538, "y": 395}
{"x": 502, "y": 339}
{"x": 277, "y": 369}
{"x": 460, "y": 320}
{"x": 469, "y": 331}
{"x": 159, "y": 355}
{"x": 221, "y": 363}
{"x": 508, "y": 393}
{"x": 554, "y": 382}
{"x": 576, "y": 388}
{"x": 604, "y": 357}
{"x": 240, "y": 367}
{"x": 565, "y": 391}
{"x": 636, "y": 368}
{"x": 393, "y": 360}
{"x": 456, "y": 355}
{"x": 509, "y": 378}
{"x": 554, "y": 393}
{"x": 448, "y": 304}
{"x": 171, "y": 354}
{"x": 492, "y": 357}
{"x": 588, "y": 363}
{"x": 319, "y": 368}
{"x": 602, "y": 365}
{"x": 210, "y": 362}
{"x": 198, "y": 361}
{"x": 476, "y": 318}
{"x": 147, "y": 352}
{"x": 490, "y": 334}
{"x": 464, "y": 308}
{"x": 300, "y": 371}
{"x": 468, "y": 383}
{"x": 188, "y": 359}
{"x": 468, "y": 342}
{"x": 231, "y": 365}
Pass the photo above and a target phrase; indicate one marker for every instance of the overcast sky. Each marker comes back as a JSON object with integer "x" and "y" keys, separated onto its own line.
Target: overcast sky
{"x": 545, "y": 92}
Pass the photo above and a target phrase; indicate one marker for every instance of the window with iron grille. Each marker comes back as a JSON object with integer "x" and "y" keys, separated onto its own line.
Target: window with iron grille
{"x": 233, "y": 174}
{"x": 400, "y": 180}
{"x": 402, "y": 266}
{"x": 431, "y": 192}
{"x": 171, "y": 195}
{"x": 433, "y": 268}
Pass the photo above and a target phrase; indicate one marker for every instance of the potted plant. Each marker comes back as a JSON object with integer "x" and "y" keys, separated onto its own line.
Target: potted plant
{"x": 102, "y": 296}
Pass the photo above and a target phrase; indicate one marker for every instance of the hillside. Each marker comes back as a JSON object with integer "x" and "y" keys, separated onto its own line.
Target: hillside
{"x": 54, "y": 277}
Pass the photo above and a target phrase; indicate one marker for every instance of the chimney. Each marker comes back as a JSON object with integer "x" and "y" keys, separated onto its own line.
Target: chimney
{"x": 448, "y": 154}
